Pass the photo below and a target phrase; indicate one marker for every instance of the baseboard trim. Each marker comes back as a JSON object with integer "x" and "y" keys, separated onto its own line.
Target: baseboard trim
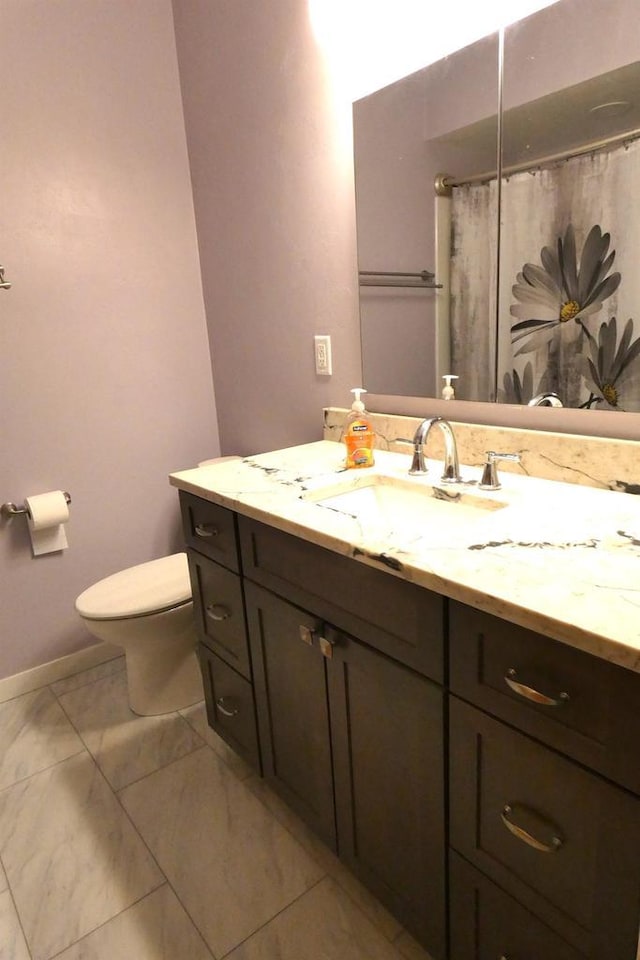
{"x": 45, "y": 673}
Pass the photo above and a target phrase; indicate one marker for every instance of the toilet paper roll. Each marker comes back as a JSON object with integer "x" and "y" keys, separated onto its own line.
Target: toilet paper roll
{"x": 47, "y": 514}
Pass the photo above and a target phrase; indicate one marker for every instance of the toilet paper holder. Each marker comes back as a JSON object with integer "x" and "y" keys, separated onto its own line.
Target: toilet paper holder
{"x": 11, "y": 510}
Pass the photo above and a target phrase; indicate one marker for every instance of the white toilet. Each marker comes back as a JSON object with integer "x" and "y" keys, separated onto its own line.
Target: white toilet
{"x": 147, "y": 610}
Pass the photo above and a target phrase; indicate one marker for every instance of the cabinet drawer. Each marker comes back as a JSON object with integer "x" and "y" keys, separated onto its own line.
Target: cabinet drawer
{"x": 571, "y": 700}
{"x": 219, "y": 611}
{"x": 210, "y": 529}
{"x": 562, "y": 840}
{"x": 401, "y": 619}
{"x": 230, "y": 706}
{"x": 487, "y": 924}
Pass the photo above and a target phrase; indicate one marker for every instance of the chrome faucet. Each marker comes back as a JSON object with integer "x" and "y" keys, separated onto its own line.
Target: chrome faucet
{"x": 451, "y": 467}
{"x": 545, "y": 400}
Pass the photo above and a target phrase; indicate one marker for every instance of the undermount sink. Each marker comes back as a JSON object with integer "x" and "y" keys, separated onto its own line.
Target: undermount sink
{"x": 397, "y": 504}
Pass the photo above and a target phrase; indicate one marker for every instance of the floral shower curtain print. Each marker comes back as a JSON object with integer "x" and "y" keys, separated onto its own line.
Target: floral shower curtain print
{"x": 570, "y": 284}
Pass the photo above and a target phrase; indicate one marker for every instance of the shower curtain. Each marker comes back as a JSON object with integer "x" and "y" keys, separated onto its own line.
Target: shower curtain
{"x": 473, "y": 289}
{"x": 568, "y": 284}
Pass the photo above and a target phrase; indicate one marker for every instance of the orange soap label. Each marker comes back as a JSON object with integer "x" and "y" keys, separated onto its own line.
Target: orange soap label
{"x": 359, "y": 442}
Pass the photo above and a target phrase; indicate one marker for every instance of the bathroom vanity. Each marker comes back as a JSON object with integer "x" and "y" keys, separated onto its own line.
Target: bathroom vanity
{"x": 449, "y": 699}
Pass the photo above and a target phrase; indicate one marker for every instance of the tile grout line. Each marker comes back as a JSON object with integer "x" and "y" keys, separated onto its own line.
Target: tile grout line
{"x": 51, "y": 766}
{"x": 275, "y": 915}
{"x": 89, "y": 933}
{"x": 116, "y": 793}
{"x": 152, "y": 855}
{"x": 172, "y": 713}
{"x": 271, "y": 814}
{"x": 336, "y": 880}
{"x": 15, "y": 907}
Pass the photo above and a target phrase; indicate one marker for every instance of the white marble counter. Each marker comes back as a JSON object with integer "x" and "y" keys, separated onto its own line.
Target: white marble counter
{"x": 556, "y": 557}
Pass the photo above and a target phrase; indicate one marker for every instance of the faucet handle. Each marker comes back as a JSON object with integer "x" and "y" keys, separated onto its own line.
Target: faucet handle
{"x": 490, "y": 479}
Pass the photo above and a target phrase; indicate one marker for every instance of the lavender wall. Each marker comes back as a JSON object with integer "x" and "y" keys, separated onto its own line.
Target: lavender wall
{"x": 273, "y": 190}
{"x": 105, "y": 377}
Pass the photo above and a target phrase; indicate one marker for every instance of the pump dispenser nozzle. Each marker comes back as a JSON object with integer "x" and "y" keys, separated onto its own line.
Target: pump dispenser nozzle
{"x": 357, "y": 403}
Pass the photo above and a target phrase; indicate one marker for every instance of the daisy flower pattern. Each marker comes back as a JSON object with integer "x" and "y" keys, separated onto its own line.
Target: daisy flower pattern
{"x": 611, "y": 370}
{"x": 560, "y": 290}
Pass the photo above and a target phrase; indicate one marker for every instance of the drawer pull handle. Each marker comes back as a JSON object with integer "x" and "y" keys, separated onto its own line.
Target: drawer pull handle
{"x": 551, "y": 846}
{"x": 205, "y": 530}
{"x": 534, "y": 695}
{"x": 224, "y": 710}
{"x": 215, "y": 611}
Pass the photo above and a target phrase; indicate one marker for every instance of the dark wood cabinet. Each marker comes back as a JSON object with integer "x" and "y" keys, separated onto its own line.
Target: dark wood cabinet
{"x": 562, "y": 840}
{"x": 353, "y": 741}
{"x": 481, "y": 779}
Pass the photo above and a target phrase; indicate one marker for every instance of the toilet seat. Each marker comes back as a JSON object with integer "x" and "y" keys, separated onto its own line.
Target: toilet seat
{"x": 151, "y": 587}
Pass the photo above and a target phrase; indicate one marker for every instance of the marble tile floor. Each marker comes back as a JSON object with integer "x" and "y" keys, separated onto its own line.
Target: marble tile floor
{"x": 148, "y": 838}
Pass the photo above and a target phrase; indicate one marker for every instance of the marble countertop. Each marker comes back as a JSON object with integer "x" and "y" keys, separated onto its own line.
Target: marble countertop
{"x": 558, "y": 558}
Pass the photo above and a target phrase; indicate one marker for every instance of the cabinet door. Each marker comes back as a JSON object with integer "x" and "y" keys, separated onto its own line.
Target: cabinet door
{"x": 387, "y": 734}
{"x": 562, "y": 840}
{"x": 293, "y": 715}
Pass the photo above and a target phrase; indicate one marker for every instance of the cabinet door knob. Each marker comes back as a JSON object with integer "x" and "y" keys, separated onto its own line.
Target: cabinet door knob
{"x": 205, "y": 530}
{"x": 326, "y": 647}
{"x": 309, "y": 636}
{"x": 529, "y": 693}
{"x": 306, "y": 634}
{"x": 512, "y": 809}
{"x": 215, "y": 611}
{"x": 226, "y": 707}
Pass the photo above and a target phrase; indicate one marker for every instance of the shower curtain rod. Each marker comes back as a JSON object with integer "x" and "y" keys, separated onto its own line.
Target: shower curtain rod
{"x": 443, "y": 183}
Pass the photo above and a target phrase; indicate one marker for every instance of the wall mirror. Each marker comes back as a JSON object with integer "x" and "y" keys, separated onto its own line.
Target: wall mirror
{"x": 569, "y": 290}
{"x": 441, "y": 119}
{"x": 550, "y": 301}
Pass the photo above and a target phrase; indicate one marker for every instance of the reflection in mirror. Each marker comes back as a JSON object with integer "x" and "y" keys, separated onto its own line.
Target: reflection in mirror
{"x": 416, "y": 285}
{"x": 569, "y": 298}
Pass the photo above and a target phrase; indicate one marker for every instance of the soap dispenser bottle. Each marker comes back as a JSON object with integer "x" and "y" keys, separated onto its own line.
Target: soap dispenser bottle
{"x": 448, "y": 393}
{"x": 358, "y": 434}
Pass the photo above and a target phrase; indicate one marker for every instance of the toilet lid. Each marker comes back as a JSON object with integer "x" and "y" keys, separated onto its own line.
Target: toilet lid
{"x": 147, "y": 588}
